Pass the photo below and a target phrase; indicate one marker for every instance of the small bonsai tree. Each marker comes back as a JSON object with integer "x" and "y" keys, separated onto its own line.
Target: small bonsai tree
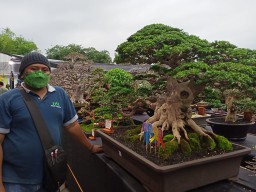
{"x": 114, "y": 93}
{"x": 247, "y": 106}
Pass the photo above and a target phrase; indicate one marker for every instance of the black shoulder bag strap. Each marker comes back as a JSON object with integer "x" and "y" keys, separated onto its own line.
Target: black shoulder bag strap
{"x": 42, "y": 130}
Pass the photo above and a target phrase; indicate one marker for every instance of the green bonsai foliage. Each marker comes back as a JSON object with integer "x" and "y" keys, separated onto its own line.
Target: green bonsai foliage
{"x": 114, "y": 92}
{"x": 219, "y": 78}
{"x": 158, "y": 43}
{"x": 247, "y": 105}
{"x": 87, "y": 128}
{"x": 143, "y": 88}
{"x": 219, "y": 65}
{"x": 118, "y": 77}
{"x": 97, "y": 89}
{"x": 213, "y": 97}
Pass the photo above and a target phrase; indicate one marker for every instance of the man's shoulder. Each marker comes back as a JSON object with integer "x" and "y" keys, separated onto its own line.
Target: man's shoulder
{"x": 58, "y": 88}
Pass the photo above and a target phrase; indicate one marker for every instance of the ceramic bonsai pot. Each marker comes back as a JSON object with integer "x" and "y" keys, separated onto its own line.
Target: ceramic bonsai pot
{"x": 232, "y": 131}
{"x": 178, "y": 177}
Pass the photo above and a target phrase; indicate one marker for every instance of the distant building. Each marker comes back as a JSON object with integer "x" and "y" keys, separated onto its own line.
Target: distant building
{"x": 127, "y": 67}
{"x": 5, "y": 68}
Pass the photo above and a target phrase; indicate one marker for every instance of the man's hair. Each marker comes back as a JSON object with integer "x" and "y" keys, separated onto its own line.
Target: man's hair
{"x": 1, "y": 83}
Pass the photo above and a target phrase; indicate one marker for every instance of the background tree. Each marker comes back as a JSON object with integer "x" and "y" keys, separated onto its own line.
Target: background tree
{"x": 97, "y": 56}
{"x": 59, "y": 52}
{"x": 10, "y": 43}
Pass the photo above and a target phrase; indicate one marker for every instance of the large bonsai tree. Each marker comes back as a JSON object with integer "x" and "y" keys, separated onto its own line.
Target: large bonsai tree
{"x": 217, "y": 66}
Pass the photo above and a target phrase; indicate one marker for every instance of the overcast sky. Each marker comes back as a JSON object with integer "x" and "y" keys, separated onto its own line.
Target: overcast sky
{"x": 104, "y": 24}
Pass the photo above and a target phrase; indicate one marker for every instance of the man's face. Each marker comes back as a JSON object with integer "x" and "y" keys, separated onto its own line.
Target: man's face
{"x": 36, "y": 67}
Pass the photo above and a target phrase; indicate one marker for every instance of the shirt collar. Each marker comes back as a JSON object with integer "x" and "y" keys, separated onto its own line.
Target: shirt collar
{"x": 49, "y": 88}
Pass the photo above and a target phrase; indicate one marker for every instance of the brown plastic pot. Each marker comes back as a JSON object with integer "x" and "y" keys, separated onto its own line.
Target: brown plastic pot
{"x": 179, "y": 177}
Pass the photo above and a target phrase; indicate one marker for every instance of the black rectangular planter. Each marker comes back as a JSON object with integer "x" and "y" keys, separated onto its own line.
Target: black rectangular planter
{"x": 179, "y": 177}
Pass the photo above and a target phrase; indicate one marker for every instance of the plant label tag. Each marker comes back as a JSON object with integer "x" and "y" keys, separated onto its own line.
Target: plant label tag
{"x": 108, "y": 123}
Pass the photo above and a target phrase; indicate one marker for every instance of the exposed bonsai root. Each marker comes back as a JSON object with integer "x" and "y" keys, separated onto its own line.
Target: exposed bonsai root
{"x": 196, "y": 128}
{"x": 160, "y": 113}
{"x": 165, "y": 125}
{"x": 177, "y": 127}
{"x": 199, "y": 130}
{"x": 175, "y": 131}
{"x": 173, "y": 110}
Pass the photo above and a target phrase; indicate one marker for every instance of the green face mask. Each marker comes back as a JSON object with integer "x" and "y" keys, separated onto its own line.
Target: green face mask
{"x": 37, "y": 79}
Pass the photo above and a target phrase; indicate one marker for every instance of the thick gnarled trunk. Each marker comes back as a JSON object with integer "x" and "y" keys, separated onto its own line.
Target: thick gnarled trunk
{"x": 173, "y": 111}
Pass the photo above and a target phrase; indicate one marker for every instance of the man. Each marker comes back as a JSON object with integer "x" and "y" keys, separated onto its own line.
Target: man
{"x": 2, "y": 88}
{"x": 21, "y": 152}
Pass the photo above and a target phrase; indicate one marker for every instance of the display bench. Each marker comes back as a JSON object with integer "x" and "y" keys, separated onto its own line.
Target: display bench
{"x": 97, "y": 172}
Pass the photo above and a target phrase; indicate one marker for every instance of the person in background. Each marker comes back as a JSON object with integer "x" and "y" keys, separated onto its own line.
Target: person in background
{"x": 2, "y": 88}
{"x": 21, "y": 152}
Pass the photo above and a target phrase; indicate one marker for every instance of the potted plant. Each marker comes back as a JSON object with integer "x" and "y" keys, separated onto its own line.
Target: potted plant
{"x": 247, "y": 107}
{"x": 116, "y": 95}
{"x": 163, "y": 177}
{"x": 172, "y": 112}
{"x": 233, "y": 126}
